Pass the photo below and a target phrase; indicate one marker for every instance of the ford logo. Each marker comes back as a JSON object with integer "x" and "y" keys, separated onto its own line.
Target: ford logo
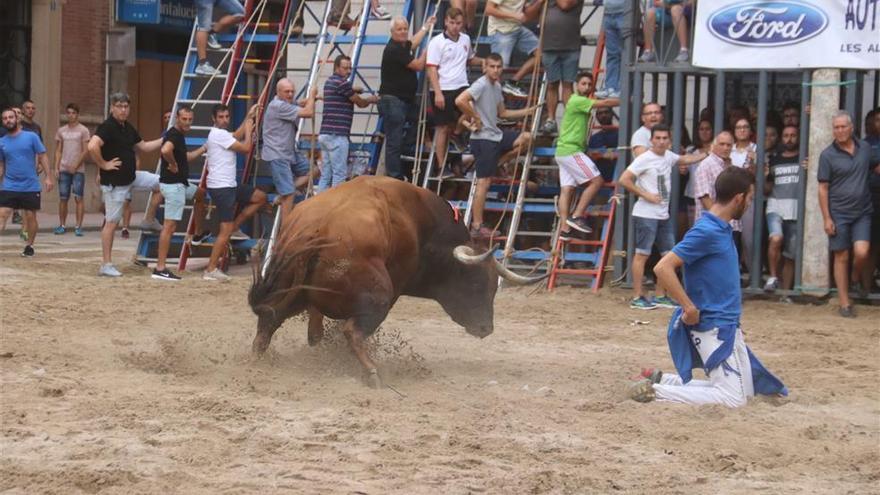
{"x": 779, "y": 23}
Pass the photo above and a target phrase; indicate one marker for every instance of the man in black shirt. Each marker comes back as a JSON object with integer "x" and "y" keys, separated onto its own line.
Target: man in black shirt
{"x": 175, "y": 186}
{"x": 398, "y": 88}
{"x": 113, "y": 148}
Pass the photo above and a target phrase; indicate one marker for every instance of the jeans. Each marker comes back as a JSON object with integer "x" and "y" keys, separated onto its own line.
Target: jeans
{"x": 67, "y": 180}
{"x": 394, "y": 113}
{"x": 205, "y": 11}
{"x": 613, "y": 25}
{"x": 334, "y": 152}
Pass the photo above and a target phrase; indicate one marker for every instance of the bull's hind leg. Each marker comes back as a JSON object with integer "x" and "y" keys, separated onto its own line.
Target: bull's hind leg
{"x": 356, "y": 340}
{"x": 316, "y": 326}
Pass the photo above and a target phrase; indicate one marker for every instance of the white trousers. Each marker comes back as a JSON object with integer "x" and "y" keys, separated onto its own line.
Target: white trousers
{"x": 730, "y": 384}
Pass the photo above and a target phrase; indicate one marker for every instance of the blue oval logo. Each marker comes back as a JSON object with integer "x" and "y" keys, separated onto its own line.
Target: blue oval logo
{"x": 779, "y": 23}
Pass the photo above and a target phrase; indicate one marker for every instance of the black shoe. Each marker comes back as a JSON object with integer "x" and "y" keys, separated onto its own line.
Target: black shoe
{"x": 847, "y": 311}
{"x": 125, "y": 233}
{"x": 198, "y": 239}
{"x": 16, "y": 217}
{"x": 580, "y": 224}
{"x": 28, "y": 251}
{"x": 165, "y": 275}
{"x": 571, "y": 235}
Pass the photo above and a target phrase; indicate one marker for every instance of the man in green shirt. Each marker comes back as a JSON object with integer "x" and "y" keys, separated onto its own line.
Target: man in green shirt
{"x": 575, "y": 167}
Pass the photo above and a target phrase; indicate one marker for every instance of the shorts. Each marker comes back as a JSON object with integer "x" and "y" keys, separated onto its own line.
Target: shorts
{"x": 787, "y": 229}
{"x": 664, "y": 16}
{"x": 284, "y": 171}
{"x": 576, "y": 169}
{"x": 225, "y": 198}
{"x": 18, "y": 200}
{"x": 487, "y": 153}
{"x": 561, "y": 65}
{"x": 650, "y": 232}
{"x": 450, "y": 113}
{"x": 520, "y": 39}
{"x": 849, "y": 231}
{"x": 66, "y": 179}
{"x": 114, "y": 200}
{"x": 143, "y": 180}
{"x": 205, "y": 11}
{"x": 175, "y": 199}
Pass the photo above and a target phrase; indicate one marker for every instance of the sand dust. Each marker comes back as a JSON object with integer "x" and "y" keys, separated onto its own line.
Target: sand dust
{"x": 140, "y": 386}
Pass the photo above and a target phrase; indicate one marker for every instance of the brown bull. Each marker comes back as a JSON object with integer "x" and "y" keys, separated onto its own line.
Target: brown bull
{"x": 350, "y": 252}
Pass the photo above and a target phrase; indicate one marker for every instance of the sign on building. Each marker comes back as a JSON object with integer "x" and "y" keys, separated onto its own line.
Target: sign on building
{"x": 787, "y": 34}
{"x": 138, "y": 11}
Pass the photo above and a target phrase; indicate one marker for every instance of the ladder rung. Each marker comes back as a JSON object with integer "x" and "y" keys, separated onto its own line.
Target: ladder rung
{"x": 193, "y": 75}
{"x": 242, "y": 97}
{"x": 255, "y": 60}
{"x": 583, "y": 242}
{"x": 207, "y": 102}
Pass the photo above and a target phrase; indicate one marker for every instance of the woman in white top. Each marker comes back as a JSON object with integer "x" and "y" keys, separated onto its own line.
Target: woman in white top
{"x": 743, "y": 155}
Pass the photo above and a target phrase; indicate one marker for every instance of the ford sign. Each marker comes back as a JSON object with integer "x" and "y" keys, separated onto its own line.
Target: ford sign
{"x": 758, "y": 24}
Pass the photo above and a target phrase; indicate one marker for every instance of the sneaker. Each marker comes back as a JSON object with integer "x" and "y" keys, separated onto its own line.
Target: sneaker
{"x": 215, "y": 276}
{"x": 642, "y": 303}
{"x": 665, "y": 302}
{"x": 648, "y": 56}
{"x": 682, "y": 56}
{"x": 549, "y": 127}
{"x": 771, "y": 285}
{"x": 484, "y": 232}
{"x": 22, "y": 234}
{"x": 78, "y": 232}
{"x": 601, "y": 93}
{"x": 571, "y": 235}
{"x": 447, "y": 173}
{"x": 151, "y": 225}
{"x": 198, "y": 239}
{"x": 653, "y": 374}
{"x": 513, "y": 89}
{"x": 238, "y": 235}
{"x": 847, "y": 312}
{"x": 213, "y": 44}
{"x": 164, "y": 275}
{"x": 379, "y": 13}
{"x": 206, "y": 69}
{"x": 16, "y": 217}
{"x": 59, "y": 230}
{"x": 641, "y": 391}
{"x": 580, "y": 224}
{"x": 506, "y": 122}
{"x": 613, "y": 94}
{"x": 28, "y": 251}
{"x": 108, "y": 270}
{"x": 125, "y": 234}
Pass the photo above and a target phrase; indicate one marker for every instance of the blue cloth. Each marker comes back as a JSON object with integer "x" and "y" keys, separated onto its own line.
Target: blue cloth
{"x": 711, "y": 272}
{"x": 334, "y": 151}
{"x": 19, "y": 153}
{"x": 686, "y": 358}
{"x": 615, "y": 26}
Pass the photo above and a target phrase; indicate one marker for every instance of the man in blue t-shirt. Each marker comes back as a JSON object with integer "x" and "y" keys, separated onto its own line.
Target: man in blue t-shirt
{"x": 22, "y": 156}
{"x": 705, "y": 330}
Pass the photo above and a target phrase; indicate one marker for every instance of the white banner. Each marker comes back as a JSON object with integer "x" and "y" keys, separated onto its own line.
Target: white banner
{"x": 787, "y": 34}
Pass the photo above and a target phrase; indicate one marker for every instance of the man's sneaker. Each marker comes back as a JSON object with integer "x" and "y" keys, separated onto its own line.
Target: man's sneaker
{"x": 601, "y": 93}
{"x": 344, "y": 24}
{"x": 579, "y": 224}
{"x": 206, "y": 69}
{"x": 847, "y": 312}
{"x": 648, "y": 56}
{"x": 215, "y": 276}
{"x": 125, "y": 234}
{"x": 16, "y": 217}
{"x": 682, "y": 56}
{"x": 513, "y": 89}
{"x": 151, "y": 225}
{"x": 641, "y": 391}
{"x": 108, "y": 270}
{"x": 571, "y": 235}
{"x": 665, "y": 302}
{"x": 213, "y": 44}
{"x": 549, "y": 127}
{"x": 59, "y": 230}
{"x": 379, "y": 13}
{"x": 447, "y": 173}
{"x": 28, "y": 251}
{"x": 613, "y": 94}
{"x": 238, "y": 235}
{"x": 771, "y": 285}
{"x": 164, "y": 275}
{"x": 198, "y": 239}
{"x": 642, "y": 303}
{"x": 78, "y": 232}
{"x": 653, "y": 374}
{"x": 23, "y": 235}
{"x": 483, "y": 232}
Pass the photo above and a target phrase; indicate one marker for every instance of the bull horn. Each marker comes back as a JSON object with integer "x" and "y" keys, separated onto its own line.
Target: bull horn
{"x": 510, "y": 276}
{"x": 465, "y": 254}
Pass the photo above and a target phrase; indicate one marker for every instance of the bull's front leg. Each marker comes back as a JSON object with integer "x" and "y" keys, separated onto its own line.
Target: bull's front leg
{"x": 316, "y": 326}
{"x": 356, "y": 341}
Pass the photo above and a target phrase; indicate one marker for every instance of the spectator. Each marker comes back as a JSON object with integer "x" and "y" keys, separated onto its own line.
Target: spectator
{"x": 339, "y": 101}
{"x": 469, "y": 7}
{"x": 783, "y": 187}
{"x": 113, "y": 149}
{"x": 345, "y": 23}
{"x": 743, "y": 155}
{"x": 679, "y": 11}
{"x": 71, "y": 148}
{"x": 707, "y": 173}
{"x": 791, "y": 114}
{"x": 614, "y": 26}
{"x": 175, "y": 186}
{"x": 206, "y": 29}
{"x": 397, "y": 103}
{"x": 19, "y": 151}
{"x": 448, "y": 55}
{"x": 602, "y": 146}
{"x": 736, "y": 113}
{"x": 872, "y": 137}
{"x": 702, "y": 144}
{"x": 771, "y": 141}
{"x": 290, "y": 169}
{"x": 575, "y": 168}
{"x": 507, "y": 34}
{"x": 561, "y": 54}
{"x": 166, "y": 121}
{"x": 845, "y": 201}
{"x": 483, "y": 104}
{"x": 649, "y": 179}
{"x": 28, "y": 112}
{"x": 652, "y": 115}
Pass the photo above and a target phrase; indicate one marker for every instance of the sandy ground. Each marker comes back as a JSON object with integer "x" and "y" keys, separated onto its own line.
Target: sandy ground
{"x": 139, "y": 386}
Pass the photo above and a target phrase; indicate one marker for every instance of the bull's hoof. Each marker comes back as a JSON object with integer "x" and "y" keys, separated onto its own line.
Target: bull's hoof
{"x": 373, "y": 380}
{"x": 315, "y": 340}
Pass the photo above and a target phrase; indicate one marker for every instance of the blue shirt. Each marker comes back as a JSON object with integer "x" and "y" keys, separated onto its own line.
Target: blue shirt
{"x": 19, "y": 154}
{"x": 338, "y": 107}
{"x": 711, "y": 272}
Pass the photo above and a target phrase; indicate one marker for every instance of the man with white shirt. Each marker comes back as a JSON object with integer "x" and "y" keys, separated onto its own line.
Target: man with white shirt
{"x": 652, "y": 115}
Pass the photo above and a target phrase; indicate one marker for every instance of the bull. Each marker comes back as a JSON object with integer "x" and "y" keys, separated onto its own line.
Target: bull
{"x": 351, "y": 252}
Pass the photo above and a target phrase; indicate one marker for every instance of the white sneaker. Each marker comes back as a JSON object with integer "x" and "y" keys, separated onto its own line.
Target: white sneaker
{"x": 151, "y": 225}
{"x": 238, "y": 235}
{"x": 549, "y": 127}
{"x": 215, "y": 276}
{"x": 206, "y": 69}
{"x": 379, "y": 13}
{"x": 602, "y": 93}
{"x": 648, "y": 56}
{"x": 108, "y": 270}
{"x": 213, "y": 44}
{"x": 682, "y": 56}
{"x": 771, "y": 285}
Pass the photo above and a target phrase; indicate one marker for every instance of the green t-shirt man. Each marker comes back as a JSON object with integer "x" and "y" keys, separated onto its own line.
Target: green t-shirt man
{"x": 574, "y": 125}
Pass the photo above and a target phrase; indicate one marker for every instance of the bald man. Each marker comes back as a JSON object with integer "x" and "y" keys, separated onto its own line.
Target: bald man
{"x": 290, "y": 169}
{"x": 398, "y": 88}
